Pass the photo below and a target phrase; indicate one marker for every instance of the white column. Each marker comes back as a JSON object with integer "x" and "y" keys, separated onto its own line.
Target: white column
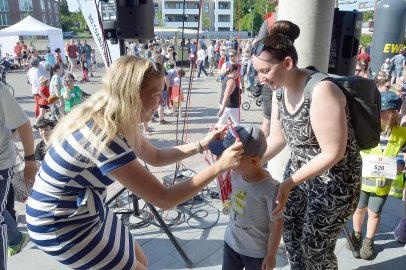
{"x": 315, "y": 19}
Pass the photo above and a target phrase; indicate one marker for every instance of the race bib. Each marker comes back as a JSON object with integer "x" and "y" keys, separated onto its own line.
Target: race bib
{"x": 379, "y": 166}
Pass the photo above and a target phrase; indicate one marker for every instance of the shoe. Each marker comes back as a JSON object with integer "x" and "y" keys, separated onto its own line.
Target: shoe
{"x": 164, "y": 122}
{"x": 205, "y": 77}
{"x": 356, "y": 238}
{"x": 91, "y": 74}
{"x": 13, "y": 250}
{"x": 153, "y": 120}
{"x": 367, "y": 249}
{"x": 400, "y": 232}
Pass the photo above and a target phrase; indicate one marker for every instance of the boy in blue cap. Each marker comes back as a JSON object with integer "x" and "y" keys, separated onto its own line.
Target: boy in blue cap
{"x": 252, "y": 236}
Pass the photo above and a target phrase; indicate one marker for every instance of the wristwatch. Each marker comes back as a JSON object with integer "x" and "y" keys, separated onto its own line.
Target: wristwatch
{"x": 29, "y": 158}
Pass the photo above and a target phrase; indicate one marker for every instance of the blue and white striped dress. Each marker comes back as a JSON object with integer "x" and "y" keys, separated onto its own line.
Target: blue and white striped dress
{"x": 66, "y": 215}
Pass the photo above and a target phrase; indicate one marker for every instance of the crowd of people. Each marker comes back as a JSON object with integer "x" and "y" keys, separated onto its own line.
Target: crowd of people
{"x": 90, "y": 143}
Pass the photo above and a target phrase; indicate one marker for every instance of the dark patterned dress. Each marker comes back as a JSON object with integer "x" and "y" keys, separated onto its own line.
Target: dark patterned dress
{"x": 317, "y": 209}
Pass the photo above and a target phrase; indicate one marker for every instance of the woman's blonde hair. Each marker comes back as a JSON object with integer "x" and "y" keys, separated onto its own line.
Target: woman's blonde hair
{"x": 116, "y": 107}
{"x": 393, "y": 120}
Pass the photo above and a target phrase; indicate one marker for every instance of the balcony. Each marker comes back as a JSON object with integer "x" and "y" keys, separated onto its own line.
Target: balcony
{"x": 178, "y": 11}
{"x": 179, "y": 24}
{"x": 224, "y": 24}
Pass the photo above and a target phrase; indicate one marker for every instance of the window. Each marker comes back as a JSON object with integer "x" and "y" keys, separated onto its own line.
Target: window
{"x": 223, "y": 6}
{"x": 25, "y": 5}
{"x": 3, "y": 5}
{"x": 49, "y": 6}
{"x": 166, "y": 5}
{"x": 179, "y": 5}
{"x": 44, "y": 18}
{"x": 56, "y": 20}
{"x": 4, "y": 19}
{"x": 224, "y": 29}
{"x": 55, "y": 7}
{"x": 206, "y": 7}
{"x": 51, "y": 20}
{"x": 224, "y": 18}
{"x": 43, "y": 5}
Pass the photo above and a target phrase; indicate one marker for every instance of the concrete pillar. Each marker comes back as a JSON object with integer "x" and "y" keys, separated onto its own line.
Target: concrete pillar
{"x": 315, "y": 19}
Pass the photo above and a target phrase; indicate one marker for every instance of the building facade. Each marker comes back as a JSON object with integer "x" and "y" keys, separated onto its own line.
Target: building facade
{"x": 46, "y": 11}
{"x": 217, "y": 15}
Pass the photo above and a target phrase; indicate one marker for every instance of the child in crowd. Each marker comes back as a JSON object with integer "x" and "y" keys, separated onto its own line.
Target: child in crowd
{"x": 43, "y": 100}
{"x": 378, "y": 184}
{"x": 45, "y": 127}
{"x": 93, "y": 57}
{"x": 177, "y": 93}
{"x": 253, "y": 235}
{"x": 55, "y": 91}
{"x": 85, "y": 68}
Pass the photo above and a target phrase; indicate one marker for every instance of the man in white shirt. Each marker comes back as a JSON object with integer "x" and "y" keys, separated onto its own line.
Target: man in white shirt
{"x": 201, "y": 57}
{"x": 212, "y": 60}
{"x": 33, "y": 78}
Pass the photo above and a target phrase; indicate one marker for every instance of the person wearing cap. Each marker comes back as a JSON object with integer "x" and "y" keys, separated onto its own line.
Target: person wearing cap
{"x": 398, "y": 190}
{"x": 43, "y": 100}
{"x": 44, "y": 69}
{"x": 252, "y": 236}
{"x": 378, "y": 161}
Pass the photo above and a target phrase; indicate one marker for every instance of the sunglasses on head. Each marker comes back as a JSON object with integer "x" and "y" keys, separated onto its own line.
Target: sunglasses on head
{"x": 259, "y": 48}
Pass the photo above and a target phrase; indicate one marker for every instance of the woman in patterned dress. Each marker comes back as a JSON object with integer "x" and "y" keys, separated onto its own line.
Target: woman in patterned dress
{"x": 322, "y": 181}
{"x": 95, "y": 145}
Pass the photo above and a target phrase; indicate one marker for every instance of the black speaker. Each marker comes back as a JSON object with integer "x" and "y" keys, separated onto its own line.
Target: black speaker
{"x": 345, "y": 40}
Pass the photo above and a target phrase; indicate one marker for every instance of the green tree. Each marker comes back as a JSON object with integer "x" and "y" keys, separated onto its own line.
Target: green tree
{"x": 368, "y": 15}
{"x": 252, "y": 13}
{"x": 64, "y": 8}
{"x": 205, "y": 21}
{"x": 161, "y": 20}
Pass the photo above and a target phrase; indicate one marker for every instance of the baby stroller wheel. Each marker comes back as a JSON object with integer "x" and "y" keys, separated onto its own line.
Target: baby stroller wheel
{"x": 259, "y": 101}
{"x": 245, "y": 106}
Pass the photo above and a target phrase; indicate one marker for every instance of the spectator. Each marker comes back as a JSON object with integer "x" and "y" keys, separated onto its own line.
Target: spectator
{"x": 45, "y": 128}
{"x": 362, "y": 68}
{"x": 211, "y": 53}
{"x": 177, "y": 93}
{"x": 43, "y": 100}
{"x": 386, "y": 67}
{"x": 401, "y": 85}
{"x": 398, "y": 62}
{"x": 55, "y": 87}
{"x": 383, "y": 84}
{"x": 149, "y": 51}
{"x": 73, "y": 54}
{"x": 33, "y": 79}
{"x": 233, "y": 60}
{"x": 84, "y": 66}
{"x": 71, "y": 93}
{"x": 58, "y": 57}
{"x": 364, "y": 55}
{"x": 88, "y": 54}
{"x": 201, "y": 58}
{"x": 18, "y": 52}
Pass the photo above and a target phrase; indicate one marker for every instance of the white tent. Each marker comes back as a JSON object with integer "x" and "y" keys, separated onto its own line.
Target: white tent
{"x": 33, "y": 27}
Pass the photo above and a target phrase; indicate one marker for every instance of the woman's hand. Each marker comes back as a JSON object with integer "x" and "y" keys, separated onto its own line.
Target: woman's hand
{"x": 218, "y": 133}
{"x": 282, "y": 197}
{"x": 220, "y": 112}
{"x": 230, "y": 158}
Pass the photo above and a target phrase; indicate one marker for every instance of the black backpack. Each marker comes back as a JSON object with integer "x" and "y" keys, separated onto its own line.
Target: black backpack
{"x": 364, "y": 101}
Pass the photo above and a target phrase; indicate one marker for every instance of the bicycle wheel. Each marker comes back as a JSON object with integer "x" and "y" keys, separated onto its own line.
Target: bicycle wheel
{"x": 259, "y": 101}
{"x": 245, "y": 106}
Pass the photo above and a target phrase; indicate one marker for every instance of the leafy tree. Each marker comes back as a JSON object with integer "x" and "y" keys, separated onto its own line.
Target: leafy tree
{"x": 252, "y": 13}
{"x": 75, "y": 22}
{"x": 205, "y": 21}
{"x": 368, "y": 15}
{"x": 64, "y": 8}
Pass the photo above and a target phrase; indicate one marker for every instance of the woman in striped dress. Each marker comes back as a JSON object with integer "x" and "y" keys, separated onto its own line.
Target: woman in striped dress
{"x": 97, "y": 144}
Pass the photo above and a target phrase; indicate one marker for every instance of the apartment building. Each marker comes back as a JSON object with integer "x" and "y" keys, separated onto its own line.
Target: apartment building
{"x": 46, "y": 11}
{"x": 217, "y": 15}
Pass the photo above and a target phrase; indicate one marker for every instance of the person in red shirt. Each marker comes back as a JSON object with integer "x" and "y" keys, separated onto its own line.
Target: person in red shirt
{"x": 363, "y": 55}
{"x": 43, "y": 100}
{"x": 18, "y": 50}
{"x": 72, "y": 50}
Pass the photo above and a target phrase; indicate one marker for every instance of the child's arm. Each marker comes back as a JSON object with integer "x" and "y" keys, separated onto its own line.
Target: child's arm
{"x": 274, "y": 238}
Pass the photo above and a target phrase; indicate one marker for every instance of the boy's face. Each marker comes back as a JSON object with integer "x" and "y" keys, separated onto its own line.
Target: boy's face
{"x": 246, "y": 163}
{"x": 45, "y": 132}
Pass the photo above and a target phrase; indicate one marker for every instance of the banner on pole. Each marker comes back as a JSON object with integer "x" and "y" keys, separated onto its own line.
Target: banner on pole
{"x": 91, "y": 10}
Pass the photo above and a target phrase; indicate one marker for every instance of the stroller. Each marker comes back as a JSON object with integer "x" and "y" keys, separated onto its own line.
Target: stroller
{"x": 254, "y": 95}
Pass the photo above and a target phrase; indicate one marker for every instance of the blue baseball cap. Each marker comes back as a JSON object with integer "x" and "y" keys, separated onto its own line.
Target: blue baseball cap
{"x": 400, "y": 160}
{"x": 251, "y": 136}
{"x": 390, "y": 101}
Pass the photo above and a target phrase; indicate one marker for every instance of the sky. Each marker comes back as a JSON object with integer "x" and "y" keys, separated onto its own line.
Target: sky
{"x": 73, "y": 4}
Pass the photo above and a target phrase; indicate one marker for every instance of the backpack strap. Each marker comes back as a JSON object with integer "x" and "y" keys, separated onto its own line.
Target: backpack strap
{"x": 313, "y": 80}
{"x": 279, "y": 94}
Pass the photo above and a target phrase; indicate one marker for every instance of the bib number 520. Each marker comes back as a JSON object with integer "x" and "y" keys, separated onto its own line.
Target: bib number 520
{"x": 379, "y": 167}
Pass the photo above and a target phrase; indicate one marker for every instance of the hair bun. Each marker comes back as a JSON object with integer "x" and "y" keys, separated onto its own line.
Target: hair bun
{"x": 286, "y": 29}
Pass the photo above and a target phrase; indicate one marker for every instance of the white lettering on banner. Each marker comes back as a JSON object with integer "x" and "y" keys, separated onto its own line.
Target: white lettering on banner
{"x": 379, "y": 166}
{"x": 108, "y": 51}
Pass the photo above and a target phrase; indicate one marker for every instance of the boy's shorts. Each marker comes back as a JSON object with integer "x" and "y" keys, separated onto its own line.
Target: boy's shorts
{"x": 374, "y": 202}
{"x": 235, "y": 261}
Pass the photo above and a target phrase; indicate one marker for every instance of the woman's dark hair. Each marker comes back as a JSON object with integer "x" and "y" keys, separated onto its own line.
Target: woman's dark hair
{"x": 57, "y": 50}
{"x": 232, "y": 68}
{"x": 54, "y": 69}
{"x": 279, "y": 42}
